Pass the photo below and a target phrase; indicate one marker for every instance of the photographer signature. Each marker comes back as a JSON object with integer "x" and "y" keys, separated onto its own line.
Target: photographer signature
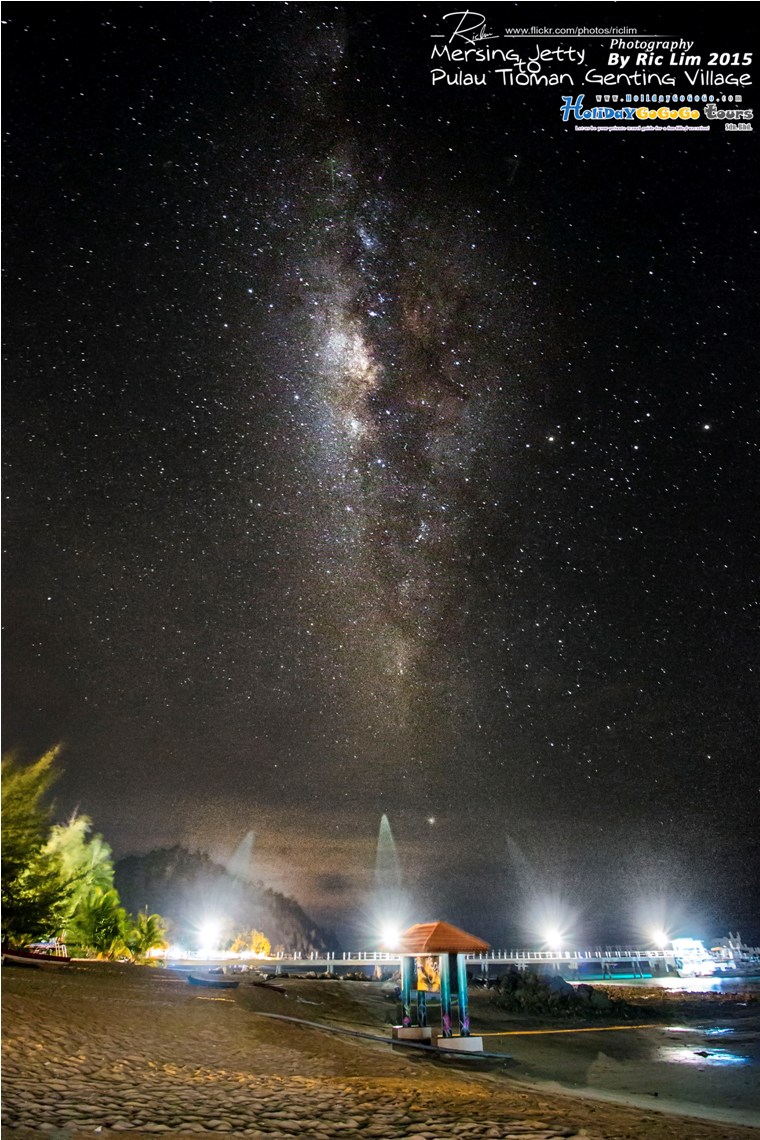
{"x": 471, "y": 27}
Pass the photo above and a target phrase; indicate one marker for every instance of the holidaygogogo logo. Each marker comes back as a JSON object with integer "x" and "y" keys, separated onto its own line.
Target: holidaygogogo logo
{"x": 574, "y": 106}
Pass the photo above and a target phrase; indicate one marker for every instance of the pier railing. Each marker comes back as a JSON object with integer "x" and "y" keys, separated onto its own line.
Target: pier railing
{"x": 500, "y": 957}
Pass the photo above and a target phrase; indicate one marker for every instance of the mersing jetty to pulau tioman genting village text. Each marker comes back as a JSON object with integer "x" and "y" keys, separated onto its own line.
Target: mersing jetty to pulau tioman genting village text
{"x": 628, "y": 64}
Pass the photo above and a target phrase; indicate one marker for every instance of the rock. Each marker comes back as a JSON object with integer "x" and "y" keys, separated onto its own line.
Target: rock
{"x": 556, "y": 984}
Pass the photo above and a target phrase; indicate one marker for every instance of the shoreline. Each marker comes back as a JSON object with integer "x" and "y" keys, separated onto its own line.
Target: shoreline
{"x": 679, "y": 1109}
{"x": 131, "y": 1049}
{"x": 668, "y": 1106}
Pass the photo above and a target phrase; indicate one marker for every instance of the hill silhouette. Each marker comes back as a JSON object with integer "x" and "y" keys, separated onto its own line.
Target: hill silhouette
{"x": 189, "y": 889}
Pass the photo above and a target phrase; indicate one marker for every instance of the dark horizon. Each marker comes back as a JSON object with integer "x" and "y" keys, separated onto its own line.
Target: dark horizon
{"x": 378, "y": 448}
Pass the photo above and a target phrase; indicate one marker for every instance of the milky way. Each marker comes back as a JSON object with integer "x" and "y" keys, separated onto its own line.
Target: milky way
{"x": 391, "y": 387}
{"x": 374, "y": 449}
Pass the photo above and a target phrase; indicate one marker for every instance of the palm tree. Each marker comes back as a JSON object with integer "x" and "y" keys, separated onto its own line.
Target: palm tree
{"x": 148, "y": 933}
{"x": 99, "y": 925}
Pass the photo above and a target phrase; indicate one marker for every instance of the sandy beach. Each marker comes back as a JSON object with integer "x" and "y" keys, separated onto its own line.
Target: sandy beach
{"x": 104, "y": 1049}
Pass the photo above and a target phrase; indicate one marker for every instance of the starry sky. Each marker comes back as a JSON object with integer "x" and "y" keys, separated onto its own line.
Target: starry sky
{"x": 374, "y": 448}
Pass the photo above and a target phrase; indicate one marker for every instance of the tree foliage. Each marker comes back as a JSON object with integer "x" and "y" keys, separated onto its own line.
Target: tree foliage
{"x": 26, "y": 819}
{"x": 58, "y": 881}
{"x": 93, "y": 920}
{"x": 251, "y": 942}
{"x": 33, "y": 885}
{"x": 100, "y": 925}
{"x": 85, "y": 863}
{"x": 147, "y": 933}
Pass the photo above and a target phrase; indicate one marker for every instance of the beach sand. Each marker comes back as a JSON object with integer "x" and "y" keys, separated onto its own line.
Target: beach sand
{"x": 103, "y": 1049}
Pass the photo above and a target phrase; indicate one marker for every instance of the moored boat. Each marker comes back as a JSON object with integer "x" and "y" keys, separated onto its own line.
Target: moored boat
{"x": 36, "y": 959}
{"x": 218, "y": 982}
{"x": 692, "y": 959}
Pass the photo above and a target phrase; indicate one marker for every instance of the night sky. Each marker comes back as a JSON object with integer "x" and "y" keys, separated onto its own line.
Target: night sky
{"x": 375, "y": 448}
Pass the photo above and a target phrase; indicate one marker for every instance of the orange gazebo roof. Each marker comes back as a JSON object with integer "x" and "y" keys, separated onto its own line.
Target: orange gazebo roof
{"x": 439, "y": 938}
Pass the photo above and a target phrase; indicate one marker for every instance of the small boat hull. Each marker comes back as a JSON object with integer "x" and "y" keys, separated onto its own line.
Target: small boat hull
{"x": 217, "y": 983}
{"x": 33, "y": 961}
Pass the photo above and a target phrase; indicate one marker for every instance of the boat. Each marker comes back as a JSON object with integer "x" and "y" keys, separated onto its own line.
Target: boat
{"x": 37, "y": 959}
{"x": 218, "y": 982}
{"x": 692, "y": 959}
{"x": 733, "y": 957}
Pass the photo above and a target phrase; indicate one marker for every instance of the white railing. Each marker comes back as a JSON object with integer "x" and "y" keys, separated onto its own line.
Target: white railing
{"x": 597, "y": 955}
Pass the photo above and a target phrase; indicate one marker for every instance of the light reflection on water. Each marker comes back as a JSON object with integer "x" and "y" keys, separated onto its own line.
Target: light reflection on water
{"x": 694, "y": 1046}
{"x": 712, "y": 984}
{"x": 677, "y": 1054}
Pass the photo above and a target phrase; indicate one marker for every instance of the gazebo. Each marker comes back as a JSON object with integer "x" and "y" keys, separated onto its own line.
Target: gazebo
{"x": 432, "y": 953}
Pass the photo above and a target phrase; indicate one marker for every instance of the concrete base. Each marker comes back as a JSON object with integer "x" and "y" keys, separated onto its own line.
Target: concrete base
{"x": 422, "y": 1033}
{"x": 461, "y": 1044}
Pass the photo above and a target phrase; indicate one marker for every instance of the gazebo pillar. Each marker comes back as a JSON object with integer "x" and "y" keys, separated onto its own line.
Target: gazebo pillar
{"x": 445, "y": 995}
{"x": 407, "y": 967}
{"x": 421, "y": 1009}
{"x": 464, "y": 1017}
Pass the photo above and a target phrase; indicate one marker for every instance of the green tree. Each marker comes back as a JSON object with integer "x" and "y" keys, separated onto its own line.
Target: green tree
{"x": 148, "y": 932}
{"x": 93, "y": 919}
{"x": 59, "y": 880}
{"x": 85, "y": 863}
{"x": 99, "y": 925}
{"x": 33, "y": 887}
{"x": 251, "y": 942}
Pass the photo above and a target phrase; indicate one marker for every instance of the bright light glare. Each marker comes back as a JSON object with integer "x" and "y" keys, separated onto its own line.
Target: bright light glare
{"x": 657, "y": 918}
{"x": 209, "y": 934}
{"x": 390, "y": 935}
{"x": 554, "y": 938}
{"x": 551, "y": 921}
